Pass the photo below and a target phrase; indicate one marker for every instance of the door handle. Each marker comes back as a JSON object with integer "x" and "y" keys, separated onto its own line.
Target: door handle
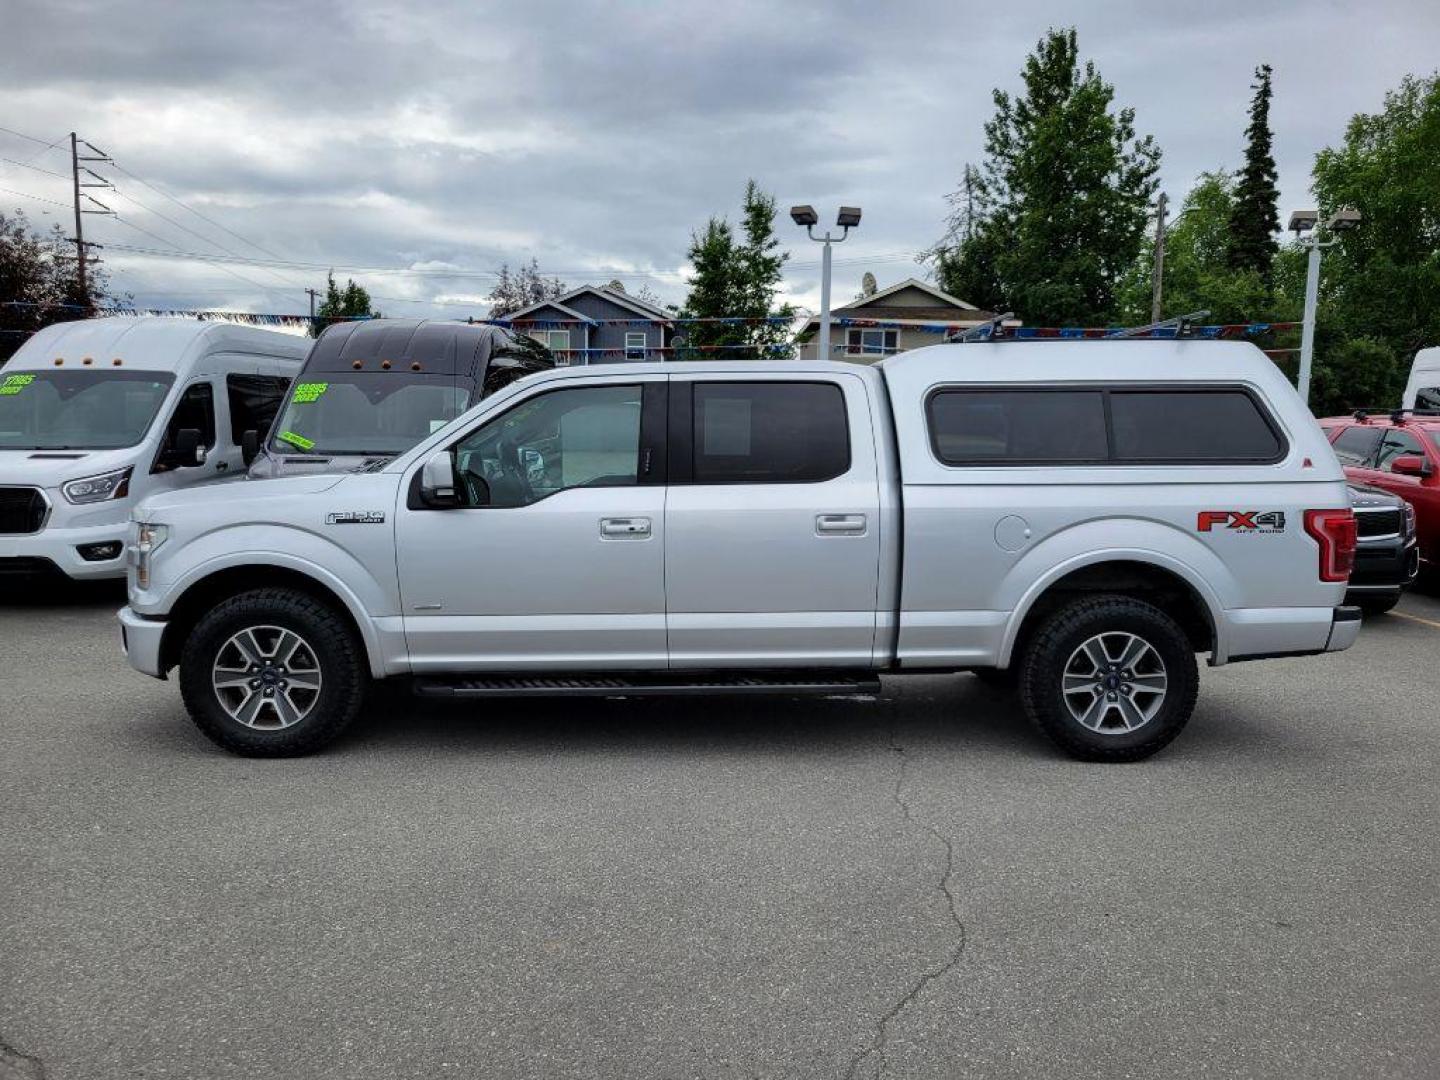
{"x": 624, "y": 528}
{"x": 840, "y": 524}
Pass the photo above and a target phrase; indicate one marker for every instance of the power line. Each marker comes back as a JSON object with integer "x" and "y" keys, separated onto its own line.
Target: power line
{"x": 37, "y": 198}
{"x": 37, "y": 168}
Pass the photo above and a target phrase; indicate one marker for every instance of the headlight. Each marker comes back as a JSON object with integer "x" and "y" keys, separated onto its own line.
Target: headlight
{"x": 93, "y": 489}
{"x": 1409, "y": 519}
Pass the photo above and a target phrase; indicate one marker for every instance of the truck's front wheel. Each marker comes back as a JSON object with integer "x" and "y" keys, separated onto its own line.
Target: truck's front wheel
{"x": 272, "y": 673}
{"x": 1109, "y": 678}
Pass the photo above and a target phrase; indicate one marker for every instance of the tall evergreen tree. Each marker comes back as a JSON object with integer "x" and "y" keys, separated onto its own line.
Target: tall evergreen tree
{"x": 350, "y": 302}
{"x": 1254, "y": 218}
{"x": 1059, "y": 209}
{"x": 739, "y": 278}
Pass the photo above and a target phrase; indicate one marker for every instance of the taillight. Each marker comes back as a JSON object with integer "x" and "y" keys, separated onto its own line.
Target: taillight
{"x": 1335, "y": 532}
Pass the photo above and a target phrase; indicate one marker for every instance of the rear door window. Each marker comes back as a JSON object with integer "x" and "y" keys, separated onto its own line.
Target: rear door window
{"x": 1187, "y": 426}
{"x": 1018, "y": 427}
{"x": 1356, "y": 446}
{"x": 769, "y": 432}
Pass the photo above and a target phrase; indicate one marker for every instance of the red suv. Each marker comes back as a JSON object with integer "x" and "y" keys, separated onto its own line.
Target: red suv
{"x": 1400, "y": 453}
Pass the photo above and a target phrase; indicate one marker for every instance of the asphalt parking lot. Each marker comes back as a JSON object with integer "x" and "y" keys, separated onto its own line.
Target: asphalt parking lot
{"x": 916, "y": 886}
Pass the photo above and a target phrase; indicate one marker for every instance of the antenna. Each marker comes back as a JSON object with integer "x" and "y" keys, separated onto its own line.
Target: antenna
{"x": 1183, "y": 325}
{"x": 990, "y": 330}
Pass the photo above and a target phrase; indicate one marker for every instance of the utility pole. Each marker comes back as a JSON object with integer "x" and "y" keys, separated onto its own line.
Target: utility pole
{"x": 1157, "y": 275}
{"x": 95, "y": 181}
{"x": 313, "y": 293}
{"x": 79, "y": 231}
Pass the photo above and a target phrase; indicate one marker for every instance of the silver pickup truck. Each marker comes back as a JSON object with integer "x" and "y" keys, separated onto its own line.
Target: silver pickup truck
{"x": 1078, "y": 519}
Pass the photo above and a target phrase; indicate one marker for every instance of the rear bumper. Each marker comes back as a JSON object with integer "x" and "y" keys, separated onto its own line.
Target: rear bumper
{"x": 1265, "y": 633}
{"x": 140, "y": 638}
{"x": 1344, "y": 629}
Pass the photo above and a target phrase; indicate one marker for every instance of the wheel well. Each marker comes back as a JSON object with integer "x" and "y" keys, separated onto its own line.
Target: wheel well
{"x": 1143, "y": 581}
{"x": 219, "y": 586}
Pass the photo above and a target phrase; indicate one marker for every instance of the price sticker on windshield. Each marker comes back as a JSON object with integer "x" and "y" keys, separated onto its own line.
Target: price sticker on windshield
{"x": 13, "y": 384}
{"x": 306, "y": 392}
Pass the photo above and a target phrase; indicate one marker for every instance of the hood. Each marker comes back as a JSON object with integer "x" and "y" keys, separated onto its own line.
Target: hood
{"x": 268, "y": 466}
{"x": 235, "y": 498}
{"x": 51, "y": 468}
{"x": 1363, "y": 495}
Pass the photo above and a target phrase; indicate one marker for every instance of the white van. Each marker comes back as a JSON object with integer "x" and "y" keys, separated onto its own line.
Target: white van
{"x": 1423, "y": 389}
{"x": 97, "y": 414}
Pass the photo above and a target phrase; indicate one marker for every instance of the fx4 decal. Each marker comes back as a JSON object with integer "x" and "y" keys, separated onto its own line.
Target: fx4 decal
{"x": 1245, "y": 521}
{"x": 356, "y": 517}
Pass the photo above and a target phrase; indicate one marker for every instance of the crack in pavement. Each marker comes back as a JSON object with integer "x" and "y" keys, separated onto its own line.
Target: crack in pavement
{"x": 881, "y": 1037}
{"x": 16, "y": 1065}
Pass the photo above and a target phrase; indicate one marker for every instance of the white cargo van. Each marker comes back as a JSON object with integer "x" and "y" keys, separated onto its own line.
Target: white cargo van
{"x": 1423, "y": 389}
{"x": 97, "y": 414}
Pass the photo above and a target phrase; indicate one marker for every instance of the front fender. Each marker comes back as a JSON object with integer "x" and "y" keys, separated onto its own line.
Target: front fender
{"x": 365, "y": 595}
{"x": 1115, "y": 540}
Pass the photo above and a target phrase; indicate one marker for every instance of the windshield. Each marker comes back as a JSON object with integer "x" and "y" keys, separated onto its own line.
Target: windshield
{"x": 78, "y": 410}
{"x": 367, "y": 413}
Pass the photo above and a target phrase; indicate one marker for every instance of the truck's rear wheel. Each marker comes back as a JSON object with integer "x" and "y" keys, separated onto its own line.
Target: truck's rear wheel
{"x": 272, "y": 673}
{"x": 1109, "y": 678}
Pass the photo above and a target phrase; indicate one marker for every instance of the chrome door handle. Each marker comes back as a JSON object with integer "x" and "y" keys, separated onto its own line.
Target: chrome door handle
{"x": 622, "y": 528}
{"x": 840, "y": 524}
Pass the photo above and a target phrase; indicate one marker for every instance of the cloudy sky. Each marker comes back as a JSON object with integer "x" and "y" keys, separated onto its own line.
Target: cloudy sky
{"x": 418, "y": 146}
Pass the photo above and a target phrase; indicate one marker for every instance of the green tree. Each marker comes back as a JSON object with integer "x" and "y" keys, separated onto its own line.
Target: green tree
{"x": 1059, "y": 207}
{"x": 1254, "y": 220}
{"x": 1382, "y": 280}
{"x": 350, "y": 302}
{"x": 738, "y": 277}
{"x": 1198, "y": 272}
{"x": 522, "y": 288}
{"x": 39, "y": 281}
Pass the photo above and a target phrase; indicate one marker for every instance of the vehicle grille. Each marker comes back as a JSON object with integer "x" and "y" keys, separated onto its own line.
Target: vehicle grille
{"x": 1379, "y": 522}
{"x": 22, "y": 510}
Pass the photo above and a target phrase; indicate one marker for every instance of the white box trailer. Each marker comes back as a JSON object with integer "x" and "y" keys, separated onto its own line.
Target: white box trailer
{"x": 97, "y": 414}
{"x": 1422, "y": 391}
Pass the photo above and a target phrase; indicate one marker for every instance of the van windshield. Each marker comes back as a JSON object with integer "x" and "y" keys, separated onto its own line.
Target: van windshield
{"x": 366, "y": 412}
{"x": 79, "y": 410}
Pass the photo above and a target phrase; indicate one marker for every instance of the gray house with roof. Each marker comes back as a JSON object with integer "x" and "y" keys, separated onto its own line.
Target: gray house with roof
{"x": 597, "y": 324}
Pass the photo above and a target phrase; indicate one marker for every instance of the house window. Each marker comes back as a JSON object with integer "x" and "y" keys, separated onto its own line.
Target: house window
{"x": 859, "y": 342}
{"x": 635, "y": 345}
{"x": 557, "y": 341}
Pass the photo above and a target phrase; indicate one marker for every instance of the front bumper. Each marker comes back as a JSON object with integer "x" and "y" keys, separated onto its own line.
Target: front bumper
{"x": 141, "y": 638}
{"x": 1385, "y": 567}
{"x": 60, "y": 548}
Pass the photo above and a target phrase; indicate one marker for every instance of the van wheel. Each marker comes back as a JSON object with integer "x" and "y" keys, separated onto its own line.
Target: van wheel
{"x": 1109, "y": 678}
{"x": 272, "y": 673}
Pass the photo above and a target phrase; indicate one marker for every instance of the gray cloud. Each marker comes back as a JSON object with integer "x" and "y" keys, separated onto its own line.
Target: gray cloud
{"x": 596, "y": 137}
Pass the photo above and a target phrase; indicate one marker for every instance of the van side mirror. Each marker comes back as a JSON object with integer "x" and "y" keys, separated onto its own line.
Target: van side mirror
{"x": 437, "y": 482}
{"x": 185, "y": 451}
{"x": 1411, "y": 465}
{"x": 249, "y": 446}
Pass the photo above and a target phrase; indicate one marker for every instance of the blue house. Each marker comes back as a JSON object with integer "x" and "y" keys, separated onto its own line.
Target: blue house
{"x": 597, "y": 324}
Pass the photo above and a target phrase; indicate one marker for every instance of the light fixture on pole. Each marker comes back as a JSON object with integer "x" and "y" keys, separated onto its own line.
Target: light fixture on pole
{"x": 847, "y": 219}
{"x": 1303, "y": 222}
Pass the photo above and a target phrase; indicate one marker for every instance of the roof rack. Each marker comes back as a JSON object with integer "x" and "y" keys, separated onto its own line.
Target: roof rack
{"x": 1397, "y": 416}
{"x": 1183, "y": 325}
{"x": 990, "y": 330}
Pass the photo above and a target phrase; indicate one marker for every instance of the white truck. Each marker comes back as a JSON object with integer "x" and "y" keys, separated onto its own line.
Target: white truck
{"x": 96, "y": 414}
{"x": 1081, "y": 518}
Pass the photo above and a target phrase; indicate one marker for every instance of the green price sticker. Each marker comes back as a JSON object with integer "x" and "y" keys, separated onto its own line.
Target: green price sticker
{"x": 307, "y": 392}
{"x": 297, "y": 440}
{"x": 13, "y": 384}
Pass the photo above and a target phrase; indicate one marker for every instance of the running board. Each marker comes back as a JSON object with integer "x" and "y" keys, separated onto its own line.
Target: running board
{"x": 662, "y": 685}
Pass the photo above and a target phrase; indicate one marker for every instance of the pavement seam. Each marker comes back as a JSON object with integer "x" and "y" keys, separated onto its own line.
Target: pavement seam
{"x": 19, "y": 1065}
{"x": 878, "y": 1042}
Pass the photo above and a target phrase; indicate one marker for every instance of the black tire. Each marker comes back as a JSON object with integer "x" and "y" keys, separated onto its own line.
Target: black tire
{"x": 1377, "y": 605}
{"x": 1059, "y": 638}
{"x": 333, "y": 648}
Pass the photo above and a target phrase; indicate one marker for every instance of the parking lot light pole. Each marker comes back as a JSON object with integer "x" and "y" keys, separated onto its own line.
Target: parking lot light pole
{"x": 847, "y": 219}
{"x": 1305, "y": 224}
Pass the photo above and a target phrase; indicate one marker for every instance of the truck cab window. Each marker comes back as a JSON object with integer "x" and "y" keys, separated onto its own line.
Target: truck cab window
{"x": 1394, "y": 445}
{"x": 585, "y": 437}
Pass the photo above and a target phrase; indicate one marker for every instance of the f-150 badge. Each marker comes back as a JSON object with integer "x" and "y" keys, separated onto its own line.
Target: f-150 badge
{"x": 1248, "y": 521}
{"x": 356, "y": 517}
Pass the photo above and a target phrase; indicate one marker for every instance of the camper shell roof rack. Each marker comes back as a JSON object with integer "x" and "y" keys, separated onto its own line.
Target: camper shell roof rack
{"x": 1397, "y": 416}
{"x": 995, "y": 330}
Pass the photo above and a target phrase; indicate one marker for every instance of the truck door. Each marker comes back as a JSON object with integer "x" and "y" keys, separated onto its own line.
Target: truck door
{"x": 555, "y": 558}
{"x": 772, "y": 521}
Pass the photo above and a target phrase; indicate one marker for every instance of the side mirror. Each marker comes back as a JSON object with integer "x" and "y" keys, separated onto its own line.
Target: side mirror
{"x": 437, "y": 482}
{"x": 1410, "y": 465}
{"x": 185, "y": 452}
{"x": 249, "y": 446}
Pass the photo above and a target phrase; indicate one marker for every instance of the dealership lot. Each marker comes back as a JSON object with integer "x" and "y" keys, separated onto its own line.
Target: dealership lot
{"x": 720, "y": 889}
